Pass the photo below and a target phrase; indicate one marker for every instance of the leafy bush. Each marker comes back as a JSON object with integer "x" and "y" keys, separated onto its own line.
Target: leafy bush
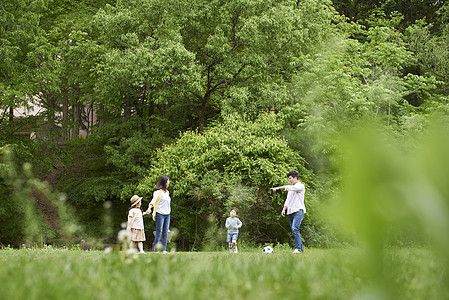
{"x": 230, "y": 164}
{"x": 103, "y": 166}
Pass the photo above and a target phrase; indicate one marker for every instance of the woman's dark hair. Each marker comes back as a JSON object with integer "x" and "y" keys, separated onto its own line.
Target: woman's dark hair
{"x": 293, "y": 174}
{"x": 162, "y": 183}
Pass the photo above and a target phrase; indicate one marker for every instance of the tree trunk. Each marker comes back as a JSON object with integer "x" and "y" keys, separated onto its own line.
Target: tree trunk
{"x": 127, "y": 106}
{"x": 50, "y": 112}
{"x": 101, "y": 110}
{"x": 92, "y": 117}
{"x": 65, "y": 116}
{"x": 76, "y": 115}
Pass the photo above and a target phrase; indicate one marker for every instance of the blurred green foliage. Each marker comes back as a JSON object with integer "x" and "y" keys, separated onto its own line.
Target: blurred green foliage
{"x": 21, "y": 221}
{"x": 394, "y": 192}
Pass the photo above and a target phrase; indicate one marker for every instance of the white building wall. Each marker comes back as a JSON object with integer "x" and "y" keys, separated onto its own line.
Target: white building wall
{"x": 34, "y": 110}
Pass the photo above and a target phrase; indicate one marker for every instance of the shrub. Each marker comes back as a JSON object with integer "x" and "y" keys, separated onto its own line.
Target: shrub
{"x": 230, "y": 164}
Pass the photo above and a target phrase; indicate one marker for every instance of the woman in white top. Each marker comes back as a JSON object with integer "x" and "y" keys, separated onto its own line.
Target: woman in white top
{"x": 161, "y": 214}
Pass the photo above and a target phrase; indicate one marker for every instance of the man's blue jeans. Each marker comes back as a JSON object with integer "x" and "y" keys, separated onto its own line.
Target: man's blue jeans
{"x": 295, "y": 221}
{"x": 162, "y": 225}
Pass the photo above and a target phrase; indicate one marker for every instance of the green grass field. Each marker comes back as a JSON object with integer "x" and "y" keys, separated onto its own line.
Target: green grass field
{"x": 315, "y": 274}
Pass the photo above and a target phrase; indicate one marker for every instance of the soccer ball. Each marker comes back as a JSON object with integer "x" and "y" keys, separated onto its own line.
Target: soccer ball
{"x": 267, "y": 249}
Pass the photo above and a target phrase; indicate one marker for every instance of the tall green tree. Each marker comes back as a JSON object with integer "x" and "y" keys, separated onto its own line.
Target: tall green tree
{"x": 63, "y": 61}
{"x": 431, "y": 48}
{"x": 19, "y": 29}
{"x": 191, "y": 60}
{"x": 353, "y": 79}
{"x": 361, "y": 11}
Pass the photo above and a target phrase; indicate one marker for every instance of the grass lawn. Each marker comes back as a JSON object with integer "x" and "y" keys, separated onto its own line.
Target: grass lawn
{"x": 315, "y": 274}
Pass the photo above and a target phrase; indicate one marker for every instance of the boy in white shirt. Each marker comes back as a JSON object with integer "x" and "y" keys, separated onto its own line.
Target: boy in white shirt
{"x": 233, "y": 224}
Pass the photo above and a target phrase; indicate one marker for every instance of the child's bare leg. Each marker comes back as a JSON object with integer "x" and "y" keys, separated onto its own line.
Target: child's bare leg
{"x": 140, "y": 246}
{"x": 234, "y": 245}
{"x": 131, "y": 245}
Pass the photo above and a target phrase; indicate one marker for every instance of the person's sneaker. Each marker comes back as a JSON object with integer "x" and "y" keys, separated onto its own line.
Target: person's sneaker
{"x": 164, "y": 252}
{"x": 235, "y": 249}
{"x": 142, "y": 252}
{"x": 296, "y": 251}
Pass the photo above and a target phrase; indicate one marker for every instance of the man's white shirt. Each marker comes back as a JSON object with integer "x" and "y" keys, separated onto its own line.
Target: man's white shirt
{"x": 295, "y": 198}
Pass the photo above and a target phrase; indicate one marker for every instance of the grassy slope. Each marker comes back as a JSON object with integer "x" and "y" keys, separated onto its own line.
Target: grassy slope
{"x": 316, "y": 274}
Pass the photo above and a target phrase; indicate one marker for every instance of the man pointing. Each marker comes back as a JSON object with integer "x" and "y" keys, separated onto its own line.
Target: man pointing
{"x": 294, "y": 206}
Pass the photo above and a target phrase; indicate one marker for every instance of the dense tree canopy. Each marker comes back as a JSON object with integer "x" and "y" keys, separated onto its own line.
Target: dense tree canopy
{"x": 222, "y": 96}
{"x": 19, "y": 30}
{"x": 194, "y": 59}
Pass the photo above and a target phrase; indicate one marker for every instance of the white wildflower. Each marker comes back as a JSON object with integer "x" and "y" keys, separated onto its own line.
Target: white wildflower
{"x": 124, "y": 236}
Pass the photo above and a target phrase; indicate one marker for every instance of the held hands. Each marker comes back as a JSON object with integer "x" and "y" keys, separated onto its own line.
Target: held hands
{"x": 148, "y": 211}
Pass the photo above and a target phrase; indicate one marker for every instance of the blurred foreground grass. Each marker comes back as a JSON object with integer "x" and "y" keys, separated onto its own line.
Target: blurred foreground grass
{"x": 316, "y": 274}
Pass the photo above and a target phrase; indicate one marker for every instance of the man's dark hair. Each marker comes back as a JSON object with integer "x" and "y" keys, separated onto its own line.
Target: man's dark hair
{"x": 293, "y": 174}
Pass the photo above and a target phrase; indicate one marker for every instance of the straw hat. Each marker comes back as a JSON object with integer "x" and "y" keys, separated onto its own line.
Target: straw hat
{"x": 135, "y": 199}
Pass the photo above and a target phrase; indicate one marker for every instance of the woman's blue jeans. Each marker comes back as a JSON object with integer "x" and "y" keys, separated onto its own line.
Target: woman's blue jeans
{"x": 162, "y": 225}
{"x": 295, "y": 221}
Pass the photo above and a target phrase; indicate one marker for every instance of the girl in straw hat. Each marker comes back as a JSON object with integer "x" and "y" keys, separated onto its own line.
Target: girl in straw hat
{"x": 135, "y": 223}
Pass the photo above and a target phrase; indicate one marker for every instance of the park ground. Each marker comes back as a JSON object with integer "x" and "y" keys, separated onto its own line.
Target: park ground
{"x": 343, "y": 273}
